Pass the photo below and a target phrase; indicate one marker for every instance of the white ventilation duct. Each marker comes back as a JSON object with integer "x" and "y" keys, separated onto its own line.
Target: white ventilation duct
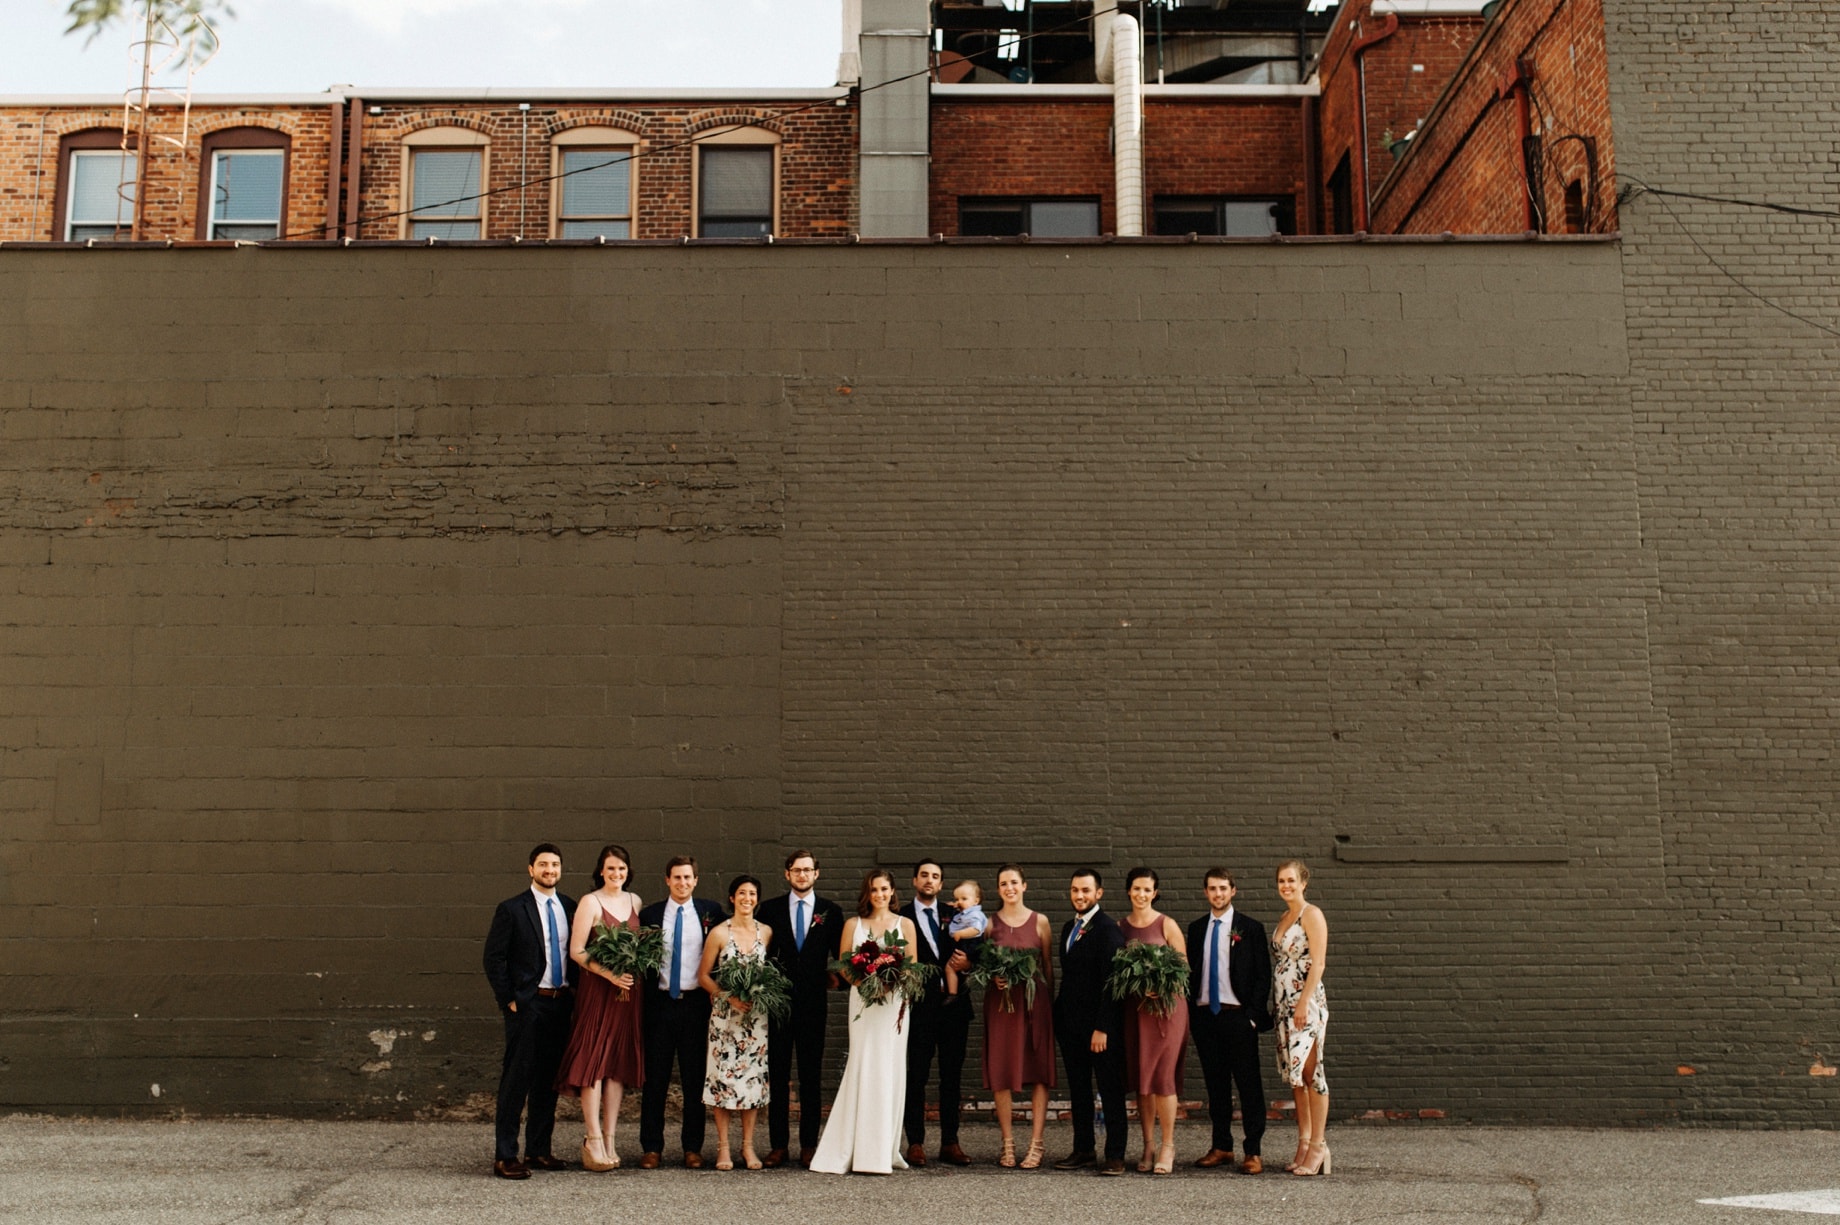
{"x": 1127, "y": 79}
{"x": 1102, "y": 46}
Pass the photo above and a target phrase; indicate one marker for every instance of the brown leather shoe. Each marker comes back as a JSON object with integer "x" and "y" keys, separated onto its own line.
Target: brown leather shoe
{"x": 693, "y": 1161}
{"x": 916, "y": 1156}
{"x": 951, "y": 1154}
{"x": 1214, "y": 1157}
{"x": 546, "y": 1162}
{"x": 1252, "y": 1165}
{"x": 774, "y": 1159}
{"x": 648, "y": 1161}
{"x": 1112, "y": 1165}
{"x": 510, "y": 1169}
{"x": 805, "y": 1156}
{"x": 1075, "y": 1161}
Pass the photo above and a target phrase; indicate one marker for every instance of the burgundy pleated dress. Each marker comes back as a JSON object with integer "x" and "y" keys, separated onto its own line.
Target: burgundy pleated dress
{"x": 605, "y": 1041}
{"x": 1019, "y": 1045}
{"x": 1153, "y": 1045}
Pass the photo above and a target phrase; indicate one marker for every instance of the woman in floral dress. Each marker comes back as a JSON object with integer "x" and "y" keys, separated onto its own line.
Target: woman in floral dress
{"x": 737, "y": 1076}
{"x": 1299, "y": 952}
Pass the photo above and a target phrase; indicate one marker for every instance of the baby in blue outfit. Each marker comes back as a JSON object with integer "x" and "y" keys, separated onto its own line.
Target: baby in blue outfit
{"x": 967, "y": 926}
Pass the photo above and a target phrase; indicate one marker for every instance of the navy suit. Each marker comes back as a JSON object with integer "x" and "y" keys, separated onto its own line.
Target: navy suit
{"x": 1082, "y": 1009}
{"x": 537, "y": 1032}
{"x": 676, "y": 1032}
{"x": 940, "y": 1029}
{"x": 802, "y": 1034}
{"x": 1228, "y": 1040}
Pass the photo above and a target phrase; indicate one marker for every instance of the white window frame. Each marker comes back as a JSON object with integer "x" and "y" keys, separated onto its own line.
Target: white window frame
{"x": 442, "y": 140}
{"x": 211, "y": 221}
{"x": 129, "y": 162}
{"x": 617, "y": 142}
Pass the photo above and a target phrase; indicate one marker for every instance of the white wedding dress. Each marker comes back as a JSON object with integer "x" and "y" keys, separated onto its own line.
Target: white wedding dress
{"x": 863, "y": 1133}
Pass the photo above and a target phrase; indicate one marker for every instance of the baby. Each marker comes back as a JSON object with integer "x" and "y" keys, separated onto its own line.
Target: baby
{"x": 967, "y": 926}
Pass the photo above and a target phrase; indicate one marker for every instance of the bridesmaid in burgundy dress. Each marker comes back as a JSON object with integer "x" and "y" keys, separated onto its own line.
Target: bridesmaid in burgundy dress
{"x": 606, "y": 1054}
{"x": 1019, "y": 1040}
{"x": 1154, "y": 1044}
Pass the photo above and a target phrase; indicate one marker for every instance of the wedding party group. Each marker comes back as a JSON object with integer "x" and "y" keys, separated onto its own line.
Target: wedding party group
{"x": 608, "y": 994}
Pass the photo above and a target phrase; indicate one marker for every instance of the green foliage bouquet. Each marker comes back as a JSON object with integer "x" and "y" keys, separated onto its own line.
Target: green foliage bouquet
{"x": 880, "y": 970}
{"x": 619, "y": 949}
{"x": 1154, "y": 975}
{"x": 759, "y": 984}
{"x": 1015, "y": 967}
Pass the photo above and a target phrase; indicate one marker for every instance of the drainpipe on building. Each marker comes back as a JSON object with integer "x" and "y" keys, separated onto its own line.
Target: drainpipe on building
{"x": 354, "y": 160}
{"x": 334, "y": 167}
{"x": 1389, "y": 26}
{"x": 1515, "y": 85}
{"x": 1127, "y": 126}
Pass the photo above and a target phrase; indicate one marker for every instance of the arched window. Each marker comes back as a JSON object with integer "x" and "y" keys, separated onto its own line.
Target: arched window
{"x": 94, "y": 197}
{"x": 737, "y": 183}
{"x": 444, "y": 180}
{"x": 242, "y": 184}
{"x": 596, "y": 183}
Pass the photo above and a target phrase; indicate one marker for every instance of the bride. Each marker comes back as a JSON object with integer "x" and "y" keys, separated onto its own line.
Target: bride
{"x": 863, "y": 1132}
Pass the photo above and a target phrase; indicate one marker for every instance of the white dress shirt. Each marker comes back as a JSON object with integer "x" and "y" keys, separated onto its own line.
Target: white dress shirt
{"x": 1079, "y": 927}
{"x": 1223, "y": 957}
{"x": 693, "y": 946}
{"x": 544, "y": 902}
{"x": 926, "y": 931}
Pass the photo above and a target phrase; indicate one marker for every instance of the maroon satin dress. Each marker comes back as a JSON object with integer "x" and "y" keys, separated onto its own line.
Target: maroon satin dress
{"x": 1153, "y": 1045}
{"x": 605, "y": 1041}
{"x": 1019, "y": 1045}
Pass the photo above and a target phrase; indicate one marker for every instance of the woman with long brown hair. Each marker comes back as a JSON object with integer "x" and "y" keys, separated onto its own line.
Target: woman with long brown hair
{"x": 1018, "y": 1035}
{"x": 1299, "y": 953}
{"x": 606, "y": 1051}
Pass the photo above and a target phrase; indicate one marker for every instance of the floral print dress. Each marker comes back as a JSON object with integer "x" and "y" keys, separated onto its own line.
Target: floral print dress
{"x": 1290, "y": 966}
{"x": 737, "y": 1076}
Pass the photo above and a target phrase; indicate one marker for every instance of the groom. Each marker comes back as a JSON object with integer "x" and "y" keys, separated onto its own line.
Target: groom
{"x": 805, "y": 933}
{"x": 939, "y": 1028}
{"x": 1089, "y": 1025}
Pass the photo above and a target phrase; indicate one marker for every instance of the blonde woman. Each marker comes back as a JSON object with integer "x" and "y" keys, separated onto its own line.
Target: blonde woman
{"x": 1299, "y": 952}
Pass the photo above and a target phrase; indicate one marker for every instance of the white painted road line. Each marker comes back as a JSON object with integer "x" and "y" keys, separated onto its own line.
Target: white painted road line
{"x": 1821, "y": 1203}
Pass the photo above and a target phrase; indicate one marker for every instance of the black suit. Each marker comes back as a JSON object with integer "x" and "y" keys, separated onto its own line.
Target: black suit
{"x": 537, "y": 1032}
{"x": 802, "y": 1034}
{"x": 938, "y": 1028}
{"x": 1228, "y": 1040}
{"x": 676, "y": 1032}
{"x": 1080, "y": 1010}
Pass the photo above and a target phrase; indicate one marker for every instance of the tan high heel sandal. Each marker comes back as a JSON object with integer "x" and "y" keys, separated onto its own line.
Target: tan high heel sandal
{"x": 1165, "y": 1160}
{"x": 1008, "y": 1158}
{"x": 1303, "y": 1153}
{"x": 591, "y": 1158}
{"x": 1036, "y": 1153}
{"x": 1317, "y": 1164}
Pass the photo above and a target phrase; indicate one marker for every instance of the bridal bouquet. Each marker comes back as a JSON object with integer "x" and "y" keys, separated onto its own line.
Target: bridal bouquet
{"x": 621, "y": 950}
{"x": 1154, "y": 975}
{"x": 761, "y": 985}
{"x": 880, "y": 971}
{"x": 1016, "y": 967}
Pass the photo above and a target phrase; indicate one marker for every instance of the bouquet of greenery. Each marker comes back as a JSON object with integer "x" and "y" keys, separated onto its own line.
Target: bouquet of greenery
{"x": 759, "y": 984}
{"x": 1154, "y": 975}
{"x": 619, "y": 949}
{"x": 1016, "y": 967}
{"x": 881, "y": 971}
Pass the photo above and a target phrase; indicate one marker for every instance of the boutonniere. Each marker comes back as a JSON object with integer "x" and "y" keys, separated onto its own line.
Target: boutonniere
{"x": 817, "y": 921}
{"x": 1233, "y": 938}
{"x": 1079, "y": 931}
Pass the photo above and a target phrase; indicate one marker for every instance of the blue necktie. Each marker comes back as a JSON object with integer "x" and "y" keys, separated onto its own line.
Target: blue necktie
{"x": 555, "y": 946}
{"x": 798, "y": 925}
{"x": 1213, "y": 956}
{"x": 932, "y": 929}
{"x": 1073, "y": 933}
{"x": 677, "y": 953}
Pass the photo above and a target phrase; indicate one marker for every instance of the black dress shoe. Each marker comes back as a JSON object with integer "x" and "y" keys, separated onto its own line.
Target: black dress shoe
{"x": 1075, "y": 1161}
{"x": 1112, "y": 1165}
{"x": 546, "y": 1162}
{"x": 511, "y": 1169}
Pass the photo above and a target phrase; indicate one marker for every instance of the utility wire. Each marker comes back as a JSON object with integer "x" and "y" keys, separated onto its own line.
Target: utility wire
{"x": 670, "y": 148}
{"x": 1661, "y": 199}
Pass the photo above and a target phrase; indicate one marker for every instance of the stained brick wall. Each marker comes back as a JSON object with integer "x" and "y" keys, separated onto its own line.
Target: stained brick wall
{"x": 29, "y": 139}
{"x": 1063, "y": 148}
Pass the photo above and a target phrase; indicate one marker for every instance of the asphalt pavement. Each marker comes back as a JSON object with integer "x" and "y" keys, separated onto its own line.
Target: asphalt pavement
{"x": 103, "y": 1172}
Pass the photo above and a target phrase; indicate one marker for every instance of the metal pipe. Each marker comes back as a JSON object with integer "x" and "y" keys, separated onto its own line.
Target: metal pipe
{"x": 38, "y": 177}
{"x": 1388, "y": 27}
{"x": 335, "y": 155}
{"x": 354, "y": 161}
{"x": 1128, "y": 126}
{"x": 523, "y": 166}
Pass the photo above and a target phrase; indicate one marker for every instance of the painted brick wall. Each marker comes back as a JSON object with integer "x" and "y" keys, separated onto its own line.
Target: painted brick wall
{"x": 1063, "y": 148}
{"x": 817, "y": 162}
{"x": 1465, "y": 173}
{"x": 29, "y": 164}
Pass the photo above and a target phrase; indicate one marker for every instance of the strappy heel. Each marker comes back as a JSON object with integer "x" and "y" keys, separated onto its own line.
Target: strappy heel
{"x": 1036, "y": 1153}
{"x": 1008, "y": 1157}
{"x": 725, "y": 1162}
{"x": 1165, "y": 1160}
{"x": 1317, "y": 1164}
{"x": 1303, "y": 1154}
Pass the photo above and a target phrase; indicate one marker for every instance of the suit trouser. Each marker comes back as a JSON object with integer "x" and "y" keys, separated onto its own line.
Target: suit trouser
{"x": 1083, "y": 1069}
{"x": 801, "y": 1035}
{"x": 1229, "y": 1049}
{"x": 944, "y": 1030}
{"x": 535, "y": 1037}
{"x": 676, "y": 1032}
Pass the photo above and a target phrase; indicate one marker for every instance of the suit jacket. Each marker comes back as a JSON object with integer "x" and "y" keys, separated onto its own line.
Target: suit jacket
{"x": 808, "y": 968}
{"x": 936, "y": 985}
{"x": 514, "y": 948}
{"x": 708, "y": 914}
{"x": 1082, "y": 1006}
{"x": 1248, "y": 964}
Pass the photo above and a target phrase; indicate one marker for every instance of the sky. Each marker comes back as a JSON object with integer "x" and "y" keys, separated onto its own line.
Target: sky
{"x": 305, "y": 46}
